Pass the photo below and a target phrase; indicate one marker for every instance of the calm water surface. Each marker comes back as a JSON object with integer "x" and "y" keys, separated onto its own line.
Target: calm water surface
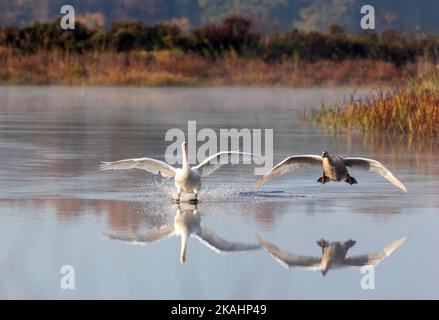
{"x": 55, "y": 204}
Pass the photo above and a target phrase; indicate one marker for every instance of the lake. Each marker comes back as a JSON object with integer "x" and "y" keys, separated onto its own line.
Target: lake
{"x": 55, "y": 204}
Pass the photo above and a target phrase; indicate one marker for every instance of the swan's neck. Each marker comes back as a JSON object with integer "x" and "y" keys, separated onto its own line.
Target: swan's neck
{"x": 185, "y": 159}
{"x": 330, "y": 159}
{"x": 184, "y": 238}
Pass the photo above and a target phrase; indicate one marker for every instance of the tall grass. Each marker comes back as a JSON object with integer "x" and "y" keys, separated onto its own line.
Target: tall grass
{"x": 411, "y": 110}
{"x": 173, "y": 67}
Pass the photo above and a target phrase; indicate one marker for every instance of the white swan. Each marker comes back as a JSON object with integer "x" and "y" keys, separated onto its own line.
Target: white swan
{"x": 187, "y": 222}
{"x": 333, "y": 255}
{"x": 187, "y": 179}
{"x": 334, "y": 168}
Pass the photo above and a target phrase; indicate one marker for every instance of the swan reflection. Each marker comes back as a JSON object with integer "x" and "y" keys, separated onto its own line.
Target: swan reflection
{"x": 187, "y": 222}
{"x": 333, "y": 256}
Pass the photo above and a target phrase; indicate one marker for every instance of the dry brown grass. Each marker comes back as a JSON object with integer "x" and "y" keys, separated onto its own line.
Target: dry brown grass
{"x": 165, "y": 68}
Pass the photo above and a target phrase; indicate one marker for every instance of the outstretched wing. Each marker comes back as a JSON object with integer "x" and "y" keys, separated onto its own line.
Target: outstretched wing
{"x": 289, "y": 164}
{"x": 219, "y": 245}
{"x": 373, "y": 259}
{"x": 374, "y": 166}
{"x": 151, "y": 165}
{"x": 213, "y": 163}
{"x": 139, "y": 238}
{"x": 289, "y": 260}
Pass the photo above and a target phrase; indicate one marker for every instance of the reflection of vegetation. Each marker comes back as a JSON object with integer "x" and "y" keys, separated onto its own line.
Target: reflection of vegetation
{"x": 412, "y": 110}
{"x": 398, "y": 150}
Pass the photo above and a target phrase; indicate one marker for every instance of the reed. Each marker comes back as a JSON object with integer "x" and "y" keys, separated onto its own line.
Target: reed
{"x": 411, "y": 110}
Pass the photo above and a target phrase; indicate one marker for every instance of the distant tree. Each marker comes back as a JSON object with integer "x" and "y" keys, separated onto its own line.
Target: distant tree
{"x": 319, "y": 14}
{"x": 233, "y": 34}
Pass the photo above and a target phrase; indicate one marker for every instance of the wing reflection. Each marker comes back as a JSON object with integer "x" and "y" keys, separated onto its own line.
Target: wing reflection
{"x": 333, "y": 256}
{"x": 187, "y": 223}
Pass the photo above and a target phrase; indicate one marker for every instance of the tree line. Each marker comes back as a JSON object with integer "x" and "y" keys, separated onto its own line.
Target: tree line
{"x": 234, "y": 35}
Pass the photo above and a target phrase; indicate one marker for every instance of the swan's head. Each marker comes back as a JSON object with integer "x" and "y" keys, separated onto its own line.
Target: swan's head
{"x": 325, "y": 154}
{"x": 184, "y": 146}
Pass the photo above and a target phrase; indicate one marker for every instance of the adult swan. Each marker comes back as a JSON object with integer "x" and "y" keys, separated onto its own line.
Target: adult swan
{"x": 187, "y": 179}
{"x": 334, "y": 168}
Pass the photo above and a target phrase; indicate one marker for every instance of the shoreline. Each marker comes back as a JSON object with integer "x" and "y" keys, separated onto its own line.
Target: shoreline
{"x": 206, "y": 86}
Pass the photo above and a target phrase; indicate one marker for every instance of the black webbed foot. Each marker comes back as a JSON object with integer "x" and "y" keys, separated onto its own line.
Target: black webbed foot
{"x": 351, "y": 180}
{"x": 323, "y": 179}
{"x": 350, "y": 243}
{"x": 322, "y": 243}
